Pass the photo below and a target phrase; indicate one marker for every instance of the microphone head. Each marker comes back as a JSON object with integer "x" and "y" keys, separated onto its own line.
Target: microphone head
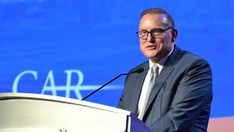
{"x": 139, "y": 70}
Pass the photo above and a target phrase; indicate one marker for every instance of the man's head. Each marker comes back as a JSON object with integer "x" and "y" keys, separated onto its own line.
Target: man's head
{"x": 157, "y": 33}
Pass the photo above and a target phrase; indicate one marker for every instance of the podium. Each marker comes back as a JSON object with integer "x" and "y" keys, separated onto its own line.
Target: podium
{"x": 43, "y": 113}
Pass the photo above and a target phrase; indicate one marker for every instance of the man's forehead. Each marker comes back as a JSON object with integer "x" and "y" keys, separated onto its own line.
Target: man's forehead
{"x": 160, "y": 18}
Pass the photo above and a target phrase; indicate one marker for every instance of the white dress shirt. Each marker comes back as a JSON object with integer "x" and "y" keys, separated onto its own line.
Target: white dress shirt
{"x": 145, "y": 88}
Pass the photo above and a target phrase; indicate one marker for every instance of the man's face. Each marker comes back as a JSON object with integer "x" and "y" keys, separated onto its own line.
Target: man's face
{"x": 155, "y": 47}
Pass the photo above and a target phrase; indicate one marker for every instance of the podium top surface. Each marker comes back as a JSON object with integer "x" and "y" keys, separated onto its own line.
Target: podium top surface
{"x": 30, "y": 96}
{"x": 35, "y": 112}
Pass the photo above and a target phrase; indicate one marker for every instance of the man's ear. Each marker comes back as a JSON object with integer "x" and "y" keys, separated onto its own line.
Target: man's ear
{"x": 174, "y": 35}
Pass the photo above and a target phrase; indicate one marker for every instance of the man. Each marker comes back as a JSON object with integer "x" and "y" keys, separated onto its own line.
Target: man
{"x": 179, "y": 96}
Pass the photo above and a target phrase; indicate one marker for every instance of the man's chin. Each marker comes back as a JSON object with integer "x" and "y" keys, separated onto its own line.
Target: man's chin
{"x": 151, "y": 56}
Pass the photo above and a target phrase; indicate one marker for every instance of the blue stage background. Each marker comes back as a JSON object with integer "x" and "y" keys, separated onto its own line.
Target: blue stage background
{"x": 69, "y": 48}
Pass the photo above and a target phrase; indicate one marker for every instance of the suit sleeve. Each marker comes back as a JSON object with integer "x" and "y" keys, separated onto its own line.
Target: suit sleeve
{"x": 193, "y": 94}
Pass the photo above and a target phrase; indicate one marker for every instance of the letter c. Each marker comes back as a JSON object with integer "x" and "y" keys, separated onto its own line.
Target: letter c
{"x": 16, "y": 81}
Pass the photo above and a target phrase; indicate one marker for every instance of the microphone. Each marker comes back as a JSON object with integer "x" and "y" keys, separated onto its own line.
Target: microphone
{"x": 139, "y": 70}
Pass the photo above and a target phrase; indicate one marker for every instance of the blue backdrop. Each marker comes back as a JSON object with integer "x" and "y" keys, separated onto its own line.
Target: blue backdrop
{"x": 69, "y": 48}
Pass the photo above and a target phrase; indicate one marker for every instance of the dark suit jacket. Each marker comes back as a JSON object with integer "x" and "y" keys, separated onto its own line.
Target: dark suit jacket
{"x": 181, "y": 98}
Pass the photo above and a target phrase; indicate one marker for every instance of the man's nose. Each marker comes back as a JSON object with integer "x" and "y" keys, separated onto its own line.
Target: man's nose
{"x": 150, "y": 38}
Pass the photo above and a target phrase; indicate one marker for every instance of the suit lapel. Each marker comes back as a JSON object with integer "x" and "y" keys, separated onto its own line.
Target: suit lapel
{"x": 165, "y": 73}
{"x": 137, "y": 89}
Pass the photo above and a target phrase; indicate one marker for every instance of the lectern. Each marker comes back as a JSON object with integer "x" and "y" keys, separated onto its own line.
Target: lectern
{"x": 43, "y": 113}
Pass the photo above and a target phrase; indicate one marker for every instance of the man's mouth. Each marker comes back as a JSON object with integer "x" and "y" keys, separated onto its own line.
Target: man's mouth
{"x": 151, "y": 47}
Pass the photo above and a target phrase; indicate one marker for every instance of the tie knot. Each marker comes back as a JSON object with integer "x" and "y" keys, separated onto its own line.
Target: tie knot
{"x": 155, "y": 70}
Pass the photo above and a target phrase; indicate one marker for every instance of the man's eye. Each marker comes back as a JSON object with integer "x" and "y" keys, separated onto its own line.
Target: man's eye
{"x": 143, "y": 33}
{"x": 157, "y": 31}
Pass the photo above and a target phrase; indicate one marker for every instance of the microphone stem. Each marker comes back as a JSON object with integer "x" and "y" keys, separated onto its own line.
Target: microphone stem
{"x": 102, "y": 86}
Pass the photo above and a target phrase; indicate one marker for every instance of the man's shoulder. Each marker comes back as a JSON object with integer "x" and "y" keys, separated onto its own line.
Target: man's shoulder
{"x": 190, "y": 59}
{"x": 186, "y": 55}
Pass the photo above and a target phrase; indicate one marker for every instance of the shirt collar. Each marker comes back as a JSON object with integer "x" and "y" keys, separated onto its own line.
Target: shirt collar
{"x": 161, "y": 63}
